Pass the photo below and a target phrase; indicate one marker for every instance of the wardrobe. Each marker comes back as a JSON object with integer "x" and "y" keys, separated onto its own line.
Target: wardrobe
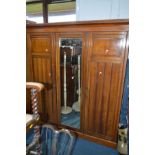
{"x": 82, "y": 65}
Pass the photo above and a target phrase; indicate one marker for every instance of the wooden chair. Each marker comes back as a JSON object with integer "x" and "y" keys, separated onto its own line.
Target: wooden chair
{"x": 47, "y": 139}
{"x": 33, "y": 120}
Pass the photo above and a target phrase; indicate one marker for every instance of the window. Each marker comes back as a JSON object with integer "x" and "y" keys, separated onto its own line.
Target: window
{"x": 57, "y": 12}
{"x": 34, "y": 12}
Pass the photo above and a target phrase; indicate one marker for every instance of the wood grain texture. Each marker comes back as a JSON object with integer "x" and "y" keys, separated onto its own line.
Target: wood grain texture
{"x": 104, "y": 57}
{"x": 83, "y": 26}
{"x": 103, "y": 99}
{"x": 40, "y": 44}
{"x": 82, "y": 23}
{"x": 104, "y": 79}
{"x": 108, "y": 44}
{"x": 42, "y": 70}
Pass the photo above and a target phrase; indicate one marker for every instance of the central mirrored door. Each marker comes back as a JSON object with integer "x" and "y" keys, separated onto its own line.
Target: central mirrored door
{"x": 70, "y": 81}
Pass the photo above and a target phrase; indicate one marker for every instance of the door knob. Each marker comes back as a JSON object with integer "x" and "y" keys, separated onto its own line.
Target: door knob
{"x": 100, "y": 73}
{"x": 46, "y": 50}
{"x": 106, "y": 51}
{"x": 49, "y": 74}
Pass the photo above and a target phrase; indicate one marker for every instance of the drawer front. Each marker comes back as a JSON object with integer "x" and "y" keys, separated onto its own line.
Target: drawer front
{"x": 40, "y": 43}
{"x": 108, "y": 45}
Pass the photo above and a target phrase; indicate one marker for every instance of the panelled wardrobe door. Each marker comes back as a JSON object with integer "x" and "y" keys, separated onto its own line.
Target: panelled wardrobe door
{"x": 105, "y": 81}
{"x": 40, "y": 48}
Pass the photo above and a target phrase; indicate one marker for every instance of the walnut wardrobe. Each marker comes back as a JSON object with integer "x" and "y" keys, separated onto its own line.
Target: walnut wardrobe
{"x": 82, "y": 65}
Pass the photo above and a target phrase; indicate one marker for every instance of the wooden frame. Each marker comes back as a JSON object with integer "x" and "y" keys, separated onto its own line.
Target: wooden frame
{"x": 86, "y": 31}
{"x": 68, "y": 35}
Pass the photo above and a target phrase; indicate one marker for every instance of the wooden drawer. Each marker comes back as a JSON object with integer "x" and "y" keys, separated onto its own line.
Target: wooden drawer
{"x": 40, "y": 43}
{"x": 108, "y": 44}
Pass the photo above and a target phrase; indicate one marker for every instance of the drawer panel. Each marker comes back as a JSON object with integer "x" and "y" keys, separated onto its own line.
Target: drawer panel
{"x": 40, "y": 43}
{"x": 108, "y": 44}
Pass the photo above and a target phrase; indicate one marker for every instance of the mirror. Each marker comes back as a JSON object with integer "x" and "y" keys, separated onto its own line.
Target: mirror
{"x": 70, "y": 81}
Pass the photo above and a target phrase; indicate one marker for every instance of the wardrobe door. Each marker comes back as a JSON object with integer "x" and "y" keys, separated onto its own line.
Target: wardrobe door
{"x": 105, "y": 81}
{"x": 101, "y": 111}
{"x": 70, "y": 62}
{"x": 42, "y": 70}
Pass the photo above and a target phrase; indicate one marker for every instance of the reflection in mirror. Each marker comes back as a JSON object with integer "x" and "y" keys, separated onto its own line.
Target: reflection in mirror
{"x": 70, "y": 80}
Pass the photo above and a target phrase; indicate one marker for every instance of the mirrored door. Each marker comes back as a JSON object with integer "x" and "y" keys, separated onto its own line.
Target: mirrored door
{"x": 70, "y": 81}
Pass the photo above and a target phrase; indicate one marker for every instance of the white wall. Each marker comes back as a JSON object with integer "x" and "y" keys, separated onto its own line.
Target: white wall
{"x": 102, "y": 9}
